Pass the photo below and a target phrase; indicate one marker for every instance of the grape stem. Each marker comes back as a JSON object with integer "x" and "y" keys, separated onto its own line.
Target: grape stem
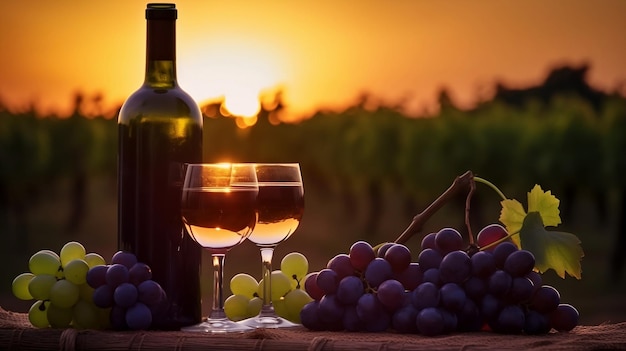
{"x": 491, "y": 185}
{"x": 460, "y": 183}
{"x": 468, "y": 200}
{"x": 503, "y": 197}
{"x": 295, "y": 277}
{"x": 498, "y": 241}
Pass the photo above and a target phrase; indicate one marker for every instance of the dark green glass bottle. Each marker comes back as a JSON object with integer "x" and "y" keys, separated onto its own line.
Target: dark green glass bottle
{"x": 160, "y": 129}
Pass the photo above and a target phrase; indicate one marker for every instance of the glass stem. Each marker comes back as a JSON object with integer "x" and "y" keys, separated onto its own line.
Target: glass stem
{"x": 218, "y": 282}
{"x": 266, "y": 257}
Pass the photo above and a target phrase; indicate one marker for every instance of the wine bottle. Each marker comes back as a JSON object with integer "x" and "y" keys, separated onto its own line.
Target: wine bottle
{"x": 160, "y": 129}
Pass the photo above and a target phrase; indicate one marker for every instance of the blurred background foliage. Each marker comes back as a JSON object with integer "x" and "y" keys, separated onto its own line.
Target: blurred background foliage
{"x": 367, "y": 169}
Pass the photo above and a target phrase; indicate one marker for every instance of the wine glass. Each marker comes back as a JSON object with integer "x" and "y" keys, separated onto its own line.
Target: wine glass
{"x": 280, "y": 208}
{"x": 219, "y": 210}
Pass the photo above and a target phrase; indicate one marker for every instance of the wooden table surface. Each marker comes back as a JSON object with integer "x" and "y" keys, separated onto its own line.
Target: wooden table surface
{"x": 17, "y": 334}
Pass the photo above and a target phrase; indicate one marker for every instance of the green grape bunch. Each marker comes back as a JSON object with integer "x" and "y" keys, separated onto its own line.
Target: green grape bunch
{"x": 288, "y": 294}
{"x": 57, "y": 283}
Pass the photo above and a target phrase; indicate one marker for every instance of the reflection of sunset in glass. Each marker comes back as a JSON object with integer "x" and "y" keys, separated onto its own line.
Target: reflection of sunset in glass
{"x": 323, "y": 54}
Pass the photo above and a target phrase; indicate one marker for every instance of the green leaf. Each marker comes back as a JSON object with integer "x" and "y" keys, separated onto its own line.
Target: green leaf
{"x": 552, "y": 250}
{"x": 512, "y": 216}
{"x": 546, "y": 204}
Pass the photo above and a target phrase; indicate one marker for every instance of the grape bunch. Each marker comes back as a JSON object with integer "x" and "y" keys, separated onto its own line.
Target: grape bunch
{"x": 288, "y": 296}
{"x": 445, "y": 291}
{"x": 125, "y": 288}
{"x": 58, "y": 283}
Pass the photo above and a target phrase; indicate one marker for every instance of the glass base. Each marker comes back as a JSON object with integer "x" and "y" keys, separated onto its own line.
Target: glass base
{"x": 268, "y": 322}
{"x": 222, "y": 325}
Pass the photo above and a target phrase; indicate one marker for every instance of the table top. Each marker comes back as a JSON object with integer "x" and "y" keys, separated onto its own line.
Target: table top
{"x": 16, "y": 333}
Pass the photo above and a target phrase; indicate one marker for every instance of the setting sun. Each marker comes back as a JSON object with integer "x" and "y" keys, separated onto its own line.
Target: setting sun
{"x": 323, "y": 54}
{"x": 236, "y": 70}
{"x": 242, "y": 104}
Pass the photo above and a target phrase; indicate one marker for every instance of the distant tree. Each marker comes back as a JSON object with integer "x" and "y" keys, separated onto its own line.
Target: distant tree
{"x": 561, "y": 80}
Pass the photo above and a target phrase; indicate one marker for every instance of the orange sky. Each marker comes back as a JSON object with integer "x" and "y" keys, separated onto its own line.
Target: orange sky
{"x": 322, "y": 53}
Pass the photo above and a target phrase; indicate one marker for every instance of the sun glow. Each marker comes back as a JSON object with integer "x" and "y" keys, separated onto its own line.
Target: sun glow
{"x": 235, "y": 71}
{"x": 243, "y": 103}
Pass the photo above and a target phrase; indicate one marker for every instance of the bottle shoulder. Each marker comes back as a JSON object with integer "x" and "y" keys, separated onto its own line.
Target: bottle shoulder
{"x": 171, "y": 103}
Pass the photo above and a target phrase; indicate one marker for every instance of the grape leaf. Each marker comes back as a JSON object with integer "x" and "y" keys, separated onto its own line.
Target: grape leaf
{"x": 552, "y": 250}
{"x": 546, "y": 204}
{"x": 512, "y": 216}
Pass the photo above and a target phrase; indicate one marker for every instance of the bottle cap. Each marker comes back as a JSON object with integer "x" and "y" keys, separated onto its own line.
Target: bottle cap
{"x": 161, "y": 11}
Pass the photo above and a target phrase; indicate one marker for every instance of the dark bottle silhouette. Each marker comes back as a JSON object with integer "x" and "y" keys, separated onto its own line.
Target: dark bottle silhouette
{"x": 160, "y": 129}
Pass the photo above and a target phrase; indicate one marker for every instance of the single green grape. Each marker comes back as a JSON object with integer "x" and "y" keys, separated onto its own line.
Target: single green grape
{"x": 70, "y": 251}
{"x": 64, "y": 294}
{"x": 86, "y": 315}
{"x": 59, "y": 317}
{"x": 20, "y": 286}
{"x": 44, "y": 262}
{"x": 38, "y": 314}
{"x": 76, "y": 271}
{"x": 93, "y": 259}
{"x": 295, "y": 301}
{"x": 295, "y": 266}
{"x": 255, "y": 305}
{"x": 280, "y": 307}
{"x": 281, "y": 284}
{"x": 236, "y": 307}
{"x": 86, "y": 292}
{"x": 243, "y": 284}
{"x": 40, "y": 286}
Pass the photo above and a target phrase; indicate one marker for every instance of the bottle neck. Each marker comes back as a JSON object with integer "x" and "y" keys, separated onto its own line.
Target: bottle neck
{"x": 161, "y": 53}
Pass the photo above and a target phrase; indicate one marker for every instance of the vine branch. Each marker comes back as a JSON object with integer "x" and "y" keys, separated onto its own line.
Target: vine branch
{"x": 460, "y": 183}
{"x": 468, "y": 201}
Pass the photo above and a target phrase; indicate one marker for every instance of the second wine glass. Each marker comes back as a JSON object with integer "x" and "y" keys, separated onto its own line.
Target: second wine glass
{"x": 219, "y": 209}
{"x": 280, "y": 209}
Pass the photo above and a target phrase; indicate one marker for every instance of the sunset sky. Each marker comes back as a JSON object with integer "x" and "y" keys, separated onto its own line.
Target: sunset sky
{"x": 321, "y": 53}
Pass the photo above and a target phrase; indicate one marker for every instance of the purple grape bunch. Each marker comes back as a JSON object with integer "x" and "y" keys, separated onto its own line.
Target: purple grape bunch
{"x": 126, "y": 287}
{"x": 445, "y": 291}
